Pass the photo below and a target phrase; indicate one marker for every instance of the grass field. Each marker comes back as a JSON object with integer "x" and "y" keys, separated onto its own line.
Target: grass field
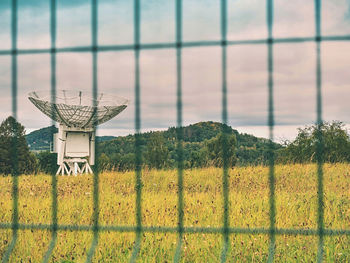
{"x": 296, "y": 203}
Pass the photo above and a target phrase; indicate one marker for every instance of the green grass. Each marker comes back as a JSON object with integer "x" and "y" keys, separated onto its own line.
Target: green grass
{"x": 296, "y": 204}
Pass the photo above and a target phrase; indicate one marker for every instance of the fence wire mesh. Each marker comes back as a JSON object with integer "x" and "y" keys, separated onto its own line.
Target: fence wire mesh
{"x": 226, "y": 230}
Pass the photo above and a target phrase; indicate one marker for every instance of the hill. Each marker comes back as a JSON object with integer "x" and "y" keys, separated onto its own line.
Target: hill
{"x": 40, "y": 140}
{"x": 250, "y": 150}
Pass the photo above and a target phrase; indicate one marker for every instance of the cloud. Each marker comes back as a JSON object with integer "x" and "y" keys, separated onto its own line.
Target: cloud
{"x": 294, "y": 64}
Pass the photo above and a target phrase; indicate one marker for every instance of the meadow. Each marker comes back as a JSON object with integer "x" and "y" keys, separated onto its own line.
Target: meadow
{"x": 296, "y": 204}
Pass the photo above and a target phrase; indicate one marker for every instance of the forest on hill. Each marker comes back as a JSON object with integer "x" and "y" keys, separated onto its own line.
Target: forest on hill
{"x": 202, "y": 146}
{"x": 159, "y": 148}
{"x": 200, "y": 140}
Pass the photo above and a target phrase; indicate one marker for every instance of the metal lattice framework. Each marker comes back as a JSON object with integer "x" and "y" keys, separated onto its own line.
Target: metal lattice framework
{"x": 77, "y": 109}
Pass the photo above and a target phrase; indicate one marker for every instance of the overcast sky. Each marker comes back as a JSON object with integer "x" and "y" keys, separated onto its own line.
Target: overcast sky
{"x": 294, "y": 64}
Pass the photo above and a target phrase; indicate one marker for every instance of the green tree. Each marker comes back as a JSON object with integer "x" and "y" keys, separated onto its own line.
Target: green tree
{"x": 104, "y": 162}
{"x": 127, "y": 162}
{"x": 32, "y": 164}
{"x": 222, "y": 148}
{"x": 15, "y": 157}
{"x": 335, "y": 144}
{"x": 47, "y": 162}
{"x": 157, "y": 152}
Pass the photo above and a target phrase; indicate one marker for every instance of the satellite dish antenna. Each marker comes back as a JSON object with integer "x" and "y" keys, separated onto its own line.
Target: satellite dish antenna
{"x": 78, "y": 114}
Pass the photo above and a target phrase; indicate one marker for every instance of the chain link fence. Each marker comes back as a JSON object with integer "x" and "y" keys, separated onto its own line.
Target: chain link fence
{"x": 226, "y": 230}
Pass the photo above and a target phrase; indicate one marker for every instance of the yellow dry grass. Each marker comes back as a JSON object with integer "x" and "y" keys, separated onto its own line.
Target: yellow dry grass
{"x": 296, "y": 204}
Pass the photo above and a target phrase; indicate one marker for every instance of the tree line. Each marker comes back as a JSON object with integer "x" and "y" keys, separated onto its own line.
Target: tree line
{"x": 332, "y": 138}
{"x": 202, "y": 144}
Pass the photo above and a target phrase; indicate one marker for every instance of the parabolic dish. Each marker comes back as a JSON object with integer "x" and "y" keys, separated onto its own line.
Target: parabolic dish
{"x": 77, "y": 108}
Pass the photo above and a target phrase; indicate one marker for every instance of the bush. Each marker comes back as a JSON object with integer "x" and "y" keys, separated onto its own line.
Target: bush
{"x": 47, "y": 162}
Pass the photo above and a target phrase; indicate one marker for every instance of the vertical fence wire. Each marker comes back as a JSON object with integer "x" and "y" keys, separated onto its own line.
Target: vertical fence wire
{"x": 319, "y": 141}
{"x": 225, "y": 133}
{"x": 14, "y": 157}
{"x": 179, "y": 129}
{"x": 138, "y": 153}
{"x": 53, "y": 5}
{"x": 271, "y": 123}
{"x": 95, "y": 216}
